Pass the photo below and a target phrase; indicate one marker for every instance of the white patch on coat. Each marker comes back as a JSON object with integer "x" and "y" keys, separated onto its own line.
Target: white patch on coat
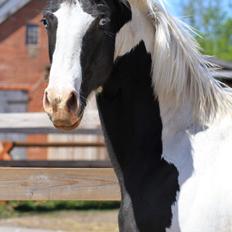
{"x": 66, "y": 72}
{"x": 203, "y": 158}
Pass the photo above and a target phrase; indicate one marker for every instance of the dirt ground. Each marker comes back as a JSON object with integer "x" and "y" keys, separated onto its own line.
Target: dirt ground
{"x": 70, "y": 221}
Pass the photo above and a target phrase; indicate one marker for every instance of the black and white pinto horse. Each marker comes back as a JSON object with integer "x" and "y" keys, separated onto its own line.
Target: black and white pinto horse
{"x": 167, "y": 122}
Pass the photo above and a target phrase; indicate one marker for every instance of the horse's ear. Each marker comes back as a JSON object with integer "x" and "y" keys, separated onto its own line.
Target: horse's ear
{"x": 124, "y": 13}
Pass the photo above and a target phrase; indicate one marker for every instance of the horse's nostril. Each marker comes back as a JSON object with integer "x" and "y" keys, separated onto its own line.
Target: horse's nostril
{"x": 72, "y": 102}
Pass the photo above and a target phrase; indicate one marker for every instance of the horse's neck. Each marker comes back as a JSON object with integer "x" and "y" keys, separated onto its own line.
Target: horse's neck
{"x": 130, "y": 112}
{"x": 176, "y": 122}
{"x": 131, "y": 117}
{"x": 140, "y": 28}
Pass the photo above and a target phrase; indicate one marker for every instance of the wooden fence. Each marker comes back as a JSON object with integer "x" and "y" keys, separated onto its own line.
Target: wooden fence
{"x": 53, "y": 180}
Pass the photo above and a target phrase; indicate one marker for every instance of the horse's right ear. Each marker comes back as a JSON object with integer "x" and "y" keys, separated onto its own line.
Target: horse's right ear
{"x": 124, "y": 7}
{"x": 124, "y": 13}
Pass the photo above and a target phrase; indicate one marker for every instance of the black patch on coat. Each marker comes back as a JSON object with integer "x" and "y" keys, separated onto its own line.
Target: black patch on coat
{"x": 131, "y": 119}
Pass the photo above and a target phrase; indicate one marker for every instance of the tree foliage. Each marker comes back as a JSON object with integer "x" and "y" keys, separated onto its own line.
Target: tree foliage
{"x": 213, "y": 20}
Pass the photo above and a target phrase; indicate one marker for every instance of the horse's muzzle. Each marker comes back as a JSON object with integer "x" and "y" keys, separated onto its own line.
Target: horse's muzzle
{"x": 63, "y": 109}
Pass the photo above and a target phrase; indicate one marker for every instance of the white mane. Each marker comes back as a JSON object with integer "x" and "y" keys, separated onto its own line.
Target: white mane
{"x": 179, "y": 70}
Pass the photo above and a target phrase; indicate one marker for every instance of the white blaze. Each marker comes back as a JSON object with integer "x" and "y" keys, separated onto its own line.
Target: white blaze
{"x": 66, "y": 71}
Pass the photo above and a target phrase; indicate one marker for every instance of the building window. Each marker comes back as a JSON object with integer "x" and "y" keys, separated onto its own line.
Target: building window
{"x": 32, "y": 34}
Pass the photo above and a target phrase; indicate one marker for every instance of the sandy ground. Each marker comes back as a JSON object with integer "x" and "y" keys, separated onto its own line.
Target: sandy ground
{"x": 18, "y": 229}
{"x": 71, "y": 221}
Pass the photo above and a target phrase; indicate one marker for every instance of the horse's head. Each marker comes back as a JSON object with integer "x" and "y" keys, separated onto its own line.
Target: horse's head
{"x": 81, "y": 36}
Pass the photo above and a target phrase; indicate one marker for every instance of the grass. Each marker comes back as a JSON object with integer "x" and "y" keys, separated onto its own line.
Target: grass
{"x": 17, "y": 208}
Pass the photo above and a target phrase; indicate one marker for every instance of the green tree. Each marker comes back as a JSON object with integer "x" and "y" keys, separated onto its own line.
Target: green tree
{"x": 213, "y": 20}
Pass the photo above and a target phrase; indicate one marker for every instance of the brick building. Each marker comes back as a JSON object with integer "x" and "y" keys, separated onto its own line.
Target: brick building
{"x": 225, "y": 73}
{"x": 23, "y": 49}
{"x": 23, "y": 63}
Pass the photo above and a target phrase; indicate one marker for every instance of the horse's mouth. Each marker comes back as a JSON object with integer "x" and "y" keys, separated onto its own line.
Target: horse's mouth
{"x": 68, "y": 127}
{"x": 67, "y": 120}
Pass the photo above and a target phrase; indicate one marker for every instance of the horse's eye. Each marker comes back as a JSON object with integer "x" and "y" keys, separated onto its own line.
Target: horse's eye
{"x": 104, "y": 21}
{"x": 45, "y": 22}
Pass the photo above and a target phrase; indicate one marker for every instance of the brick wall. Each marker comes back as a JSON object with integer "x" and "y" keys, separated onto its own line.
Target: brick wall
{"x": 23, "y": 67}
{"x": 18, "y": 66}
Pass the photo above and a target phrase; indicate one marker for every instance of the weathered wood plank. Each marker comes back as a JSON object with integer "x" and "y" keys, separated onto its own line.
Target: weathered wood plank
{"x": 56, "y": 164}
{"x": 58, "y": 144}
{"x": 58, "y": 184}
{"x": 38, "y": 123}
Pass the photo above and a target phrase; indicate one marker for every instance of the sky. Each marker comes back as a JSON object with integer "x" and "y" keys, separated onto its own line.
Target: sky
{"x": 174, "y": 6}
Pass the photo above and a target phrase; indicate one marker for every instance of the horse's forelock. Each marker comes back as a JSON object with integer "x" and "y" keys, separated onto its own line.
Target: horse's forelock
{"x": 99, "y": 7}
{"x": 54, "y": 5}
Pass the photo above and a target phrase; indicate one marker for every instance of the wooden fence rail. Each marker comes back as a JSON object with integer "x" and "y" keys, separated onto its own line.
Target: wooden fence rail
{"x": 56, "y": 163}
{"x": 58, "y": 184}
{"x": 8, "y": 146}
{"x": 38, "y": 123}
{"x": 53, "y": 180}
